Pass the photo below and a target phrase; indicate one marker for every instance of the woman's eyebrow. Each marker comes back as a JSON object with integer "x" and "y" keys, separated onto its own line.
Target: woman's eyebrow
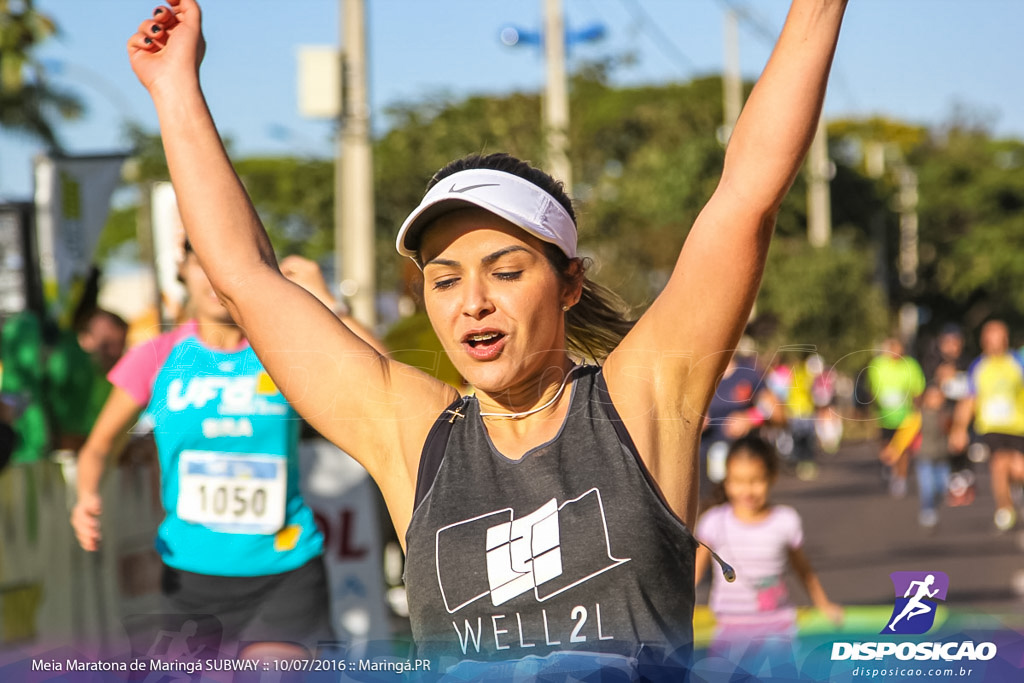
{"x": 486, "y": 260}
{"x": 491, "y": 258}
{"x": 442, "y": 262}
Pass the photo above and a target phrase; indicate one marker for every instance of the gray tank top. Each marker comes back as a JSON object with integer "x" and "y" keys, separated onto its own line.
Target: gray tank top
{"x": 570, "y": 548}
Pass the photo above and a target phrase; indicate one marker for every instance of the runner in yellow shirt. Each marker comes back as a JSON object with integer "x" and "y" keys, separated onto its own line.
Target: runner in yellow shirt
{"x": 995, "y": 402}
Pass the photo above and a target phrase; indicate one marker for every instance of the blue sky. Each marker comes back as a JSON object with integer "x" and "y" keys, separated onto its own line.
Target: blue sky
{"x": 910, "y": 59}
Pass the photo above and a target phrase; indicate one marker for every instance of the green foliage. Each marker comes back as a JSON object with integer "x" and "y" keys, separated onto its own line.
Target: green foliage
{"x": 120, "y": 228}
{"x": 905, "y": 138}
{"x": 645, "y": 161}
{"x": 423, "y": 137}
{"x": 20, "y": 32}
{"x": 824, "y": 297}
{"x": 411, "y": 340}
{"x": 971, "y": 192}
{"x": 649, "y": 162}
{"x": 295, "y": 200}
{"x": 28, "y": 104}
{"x": 148, "y": 162}
{"x": 972, "y": 220}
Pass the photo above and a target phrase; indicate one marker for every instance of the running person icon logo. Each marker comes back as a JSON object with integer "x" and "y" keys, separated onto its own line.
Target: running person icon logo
{"x": 917, "y": 594}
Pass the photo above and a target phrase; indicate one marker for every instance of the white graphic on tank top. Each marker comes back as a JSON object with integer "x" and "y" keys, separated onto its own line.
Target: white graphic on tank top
{"x": 524, "y": 553}
{"x": 548, "y": 551}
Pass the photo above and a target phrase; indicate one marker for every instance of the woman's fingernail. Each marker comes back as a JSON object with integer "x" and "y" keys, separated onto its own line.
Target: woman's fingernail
{"x": 149, "y": 41}
{"x": 156, "y": 28}
{"x": 158, "y": 11}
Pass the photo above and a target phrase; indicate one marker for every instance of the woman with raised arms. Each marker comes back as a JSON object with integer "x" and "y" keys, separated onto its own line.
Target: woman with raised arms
{"x": 548, "y": 515}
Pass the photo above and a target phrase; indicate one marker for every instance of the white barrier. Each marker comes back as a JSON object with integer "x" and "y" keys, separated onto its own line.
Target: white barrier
{"x": 347, "y": 506}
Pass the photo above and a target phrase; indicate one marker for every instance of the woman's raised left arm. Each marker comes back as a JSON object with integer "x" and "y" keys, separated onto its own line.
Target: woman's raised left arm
{"x": 669, "y": 364}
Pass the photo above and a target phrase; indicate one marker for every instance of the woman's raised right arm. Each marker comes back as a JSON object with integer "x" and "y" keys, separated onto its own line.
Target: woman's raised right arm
{"x": 376, "y": 410}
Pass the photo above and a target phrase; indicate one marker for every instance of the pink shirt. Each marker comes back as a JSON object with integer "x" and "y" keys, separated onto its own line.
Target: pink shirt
{"x": 759, "y": 552}
{"x": 137, "y": 369}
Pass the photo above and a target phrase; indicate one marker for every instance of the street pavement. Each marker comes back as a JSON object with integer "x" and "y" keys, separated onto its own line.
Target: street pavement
{"x": 856, "y": 534}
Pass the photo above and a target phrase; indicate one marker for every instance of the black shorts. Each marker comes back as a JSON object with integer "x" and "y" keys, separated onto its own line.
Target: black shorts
{"x": 290, "y": 607}
{"x": 1002, "y": 442}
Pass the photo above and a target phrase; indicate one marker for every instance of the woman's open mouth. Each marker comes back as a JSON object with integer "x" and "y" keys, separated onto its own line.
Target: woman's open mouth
{"x": 484, "y": 345}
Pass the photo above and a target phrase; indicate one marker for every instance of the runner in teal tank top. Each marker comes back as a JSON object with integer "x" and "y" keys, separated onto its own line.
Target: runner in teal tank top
{"x": 227, "y": 442}
{"x": 238, "y": 542}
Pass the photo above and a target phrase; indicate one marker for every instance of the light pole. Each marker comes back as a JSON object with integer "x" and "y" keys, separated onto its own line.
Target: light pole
{"x": 332, "y": 84}
{"x": 732, "y": 80}
{"x": 556, "y": 100}
{"x": 820, "y": 171}
{"x": 354, "y": 209}
{"x": 880, "y": 158}
{"x": 556, "y": 92}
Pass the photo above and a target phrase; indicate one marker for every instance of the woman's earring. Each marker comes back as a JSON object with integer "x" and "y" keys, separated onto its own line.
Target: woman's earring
{"x": 565, "y": 307}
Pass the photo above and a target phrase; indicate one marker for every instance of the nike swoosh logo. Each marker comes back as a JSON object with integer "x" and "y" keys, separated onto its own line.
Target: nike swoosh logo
{"x": 467, "y": 188}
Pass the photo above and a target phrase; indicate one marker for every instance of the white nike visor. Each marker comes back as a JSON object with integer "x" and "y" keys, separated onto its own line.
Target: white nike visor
{"x": 515, "y": 199}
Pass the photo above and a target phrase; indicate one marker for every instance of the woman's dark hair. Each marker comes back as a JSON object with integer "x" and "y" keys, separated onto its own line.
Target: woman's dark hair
{"x": 186, "y": 249}
{"x": 751, "y": 446}
{"x": 599, "y": 321}
{"x": 757, "y": 448}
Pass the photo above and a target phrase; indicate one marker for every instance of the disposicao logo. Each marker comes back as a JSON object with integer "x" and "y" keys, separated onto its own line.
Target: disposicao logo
{"x": 913, "y": 613}
{"x": 917, "y": 594}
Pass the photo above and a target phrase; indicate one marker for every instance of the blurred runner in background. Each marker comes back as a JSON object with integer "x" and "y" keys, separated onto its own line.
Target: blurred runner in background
{"x": 995, "y": 403}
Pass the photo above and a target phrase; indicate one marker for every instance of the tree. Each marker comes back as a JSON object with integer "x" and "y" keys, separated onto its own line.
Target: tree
{"x": 295, "y": 199}
{"x": 27, "y": 102}
{"x": 822, "y": 297}
{"x": 646, "y": 160}
{"x": 146, "y": 165}
{"x": 424, "y": 136}
{"x": 972, "y": 224}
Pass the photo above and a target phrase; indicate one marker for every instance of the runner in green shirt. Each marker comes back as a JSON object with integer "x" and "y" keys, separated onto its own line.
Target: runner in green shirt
{"x": 896, "y": 381}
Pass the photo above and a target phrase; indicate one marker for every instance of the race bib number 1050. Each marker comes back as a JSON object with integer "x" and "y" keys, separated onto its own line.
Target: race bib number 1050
{"x": 236, "y": 493}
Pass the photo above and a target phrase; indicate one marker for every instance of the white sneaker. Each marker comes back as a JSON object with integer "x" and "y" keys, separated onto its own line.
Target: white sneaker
{"x": 898, "y": 487}
{"x": 928, "y": 518}
{"x": 1005, "y": 519}
{"x": 806, "y": 471}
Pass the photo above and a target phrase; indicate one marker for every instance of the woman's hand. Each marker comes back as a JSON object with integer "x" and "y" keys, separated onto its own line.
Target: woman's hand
{"x": 168, "y": 47}
{"x": 832, "y": 612}
{"x": 958, "y": 440}
{"x": 307, "y": 274}
{"x": 85, "y": 519}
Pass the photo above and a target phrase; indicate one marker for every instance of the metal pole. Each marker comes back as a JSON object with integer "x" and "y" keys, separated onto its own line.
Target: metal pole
{"x": 556, "y": 101}
{"x": 147, "y": 248}
{"x": 732, "y": 81}
{"x": 908, "y": 226}
{"x": 354, "y": 211}
{"x": 909, "y": 316}
{"x": 819, "y": 198}
{"x": 874, "y": 165}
